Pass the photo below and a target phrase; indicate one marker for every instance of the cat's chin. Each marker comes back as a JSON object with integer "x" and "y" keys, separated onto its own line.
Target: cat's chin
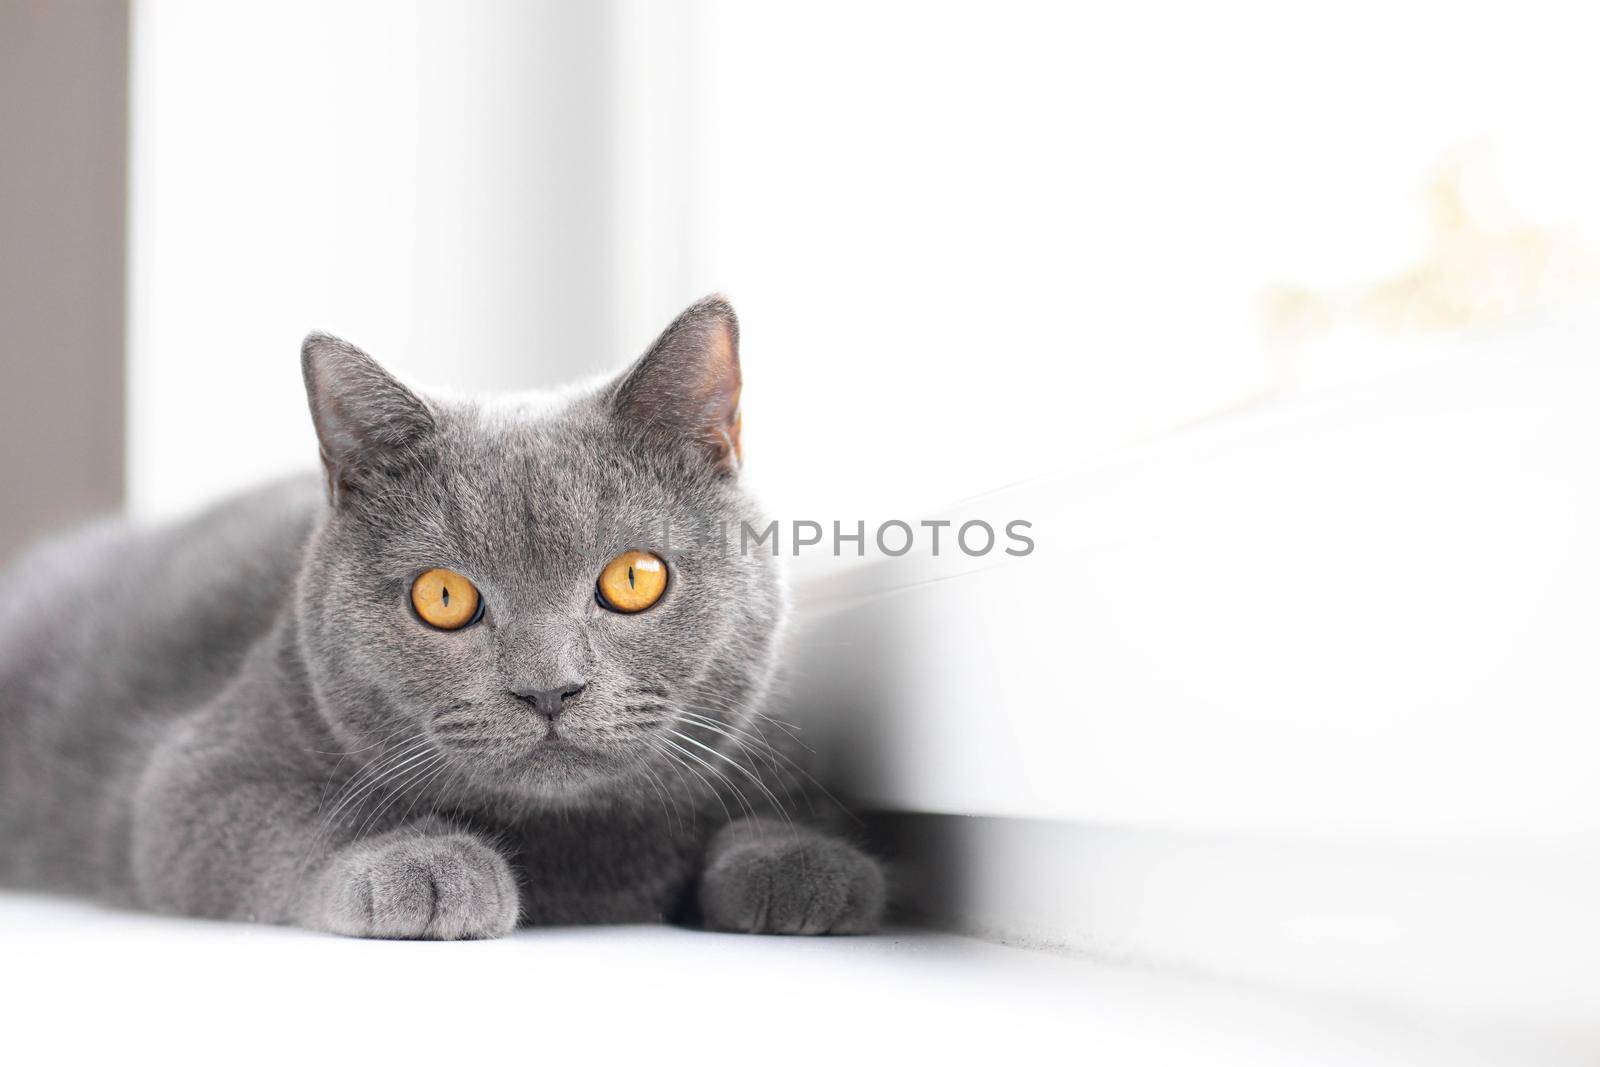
{"x": 552, "y": 768}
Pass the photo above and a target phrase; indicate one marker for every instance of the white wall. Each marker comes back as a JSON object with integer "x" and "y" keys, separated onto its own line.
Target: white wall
{"x": 1365, "y": 613}
{"x": 970, "y": 245}
{"x": 433, "y": 181}
{"x": 976, "y": 243}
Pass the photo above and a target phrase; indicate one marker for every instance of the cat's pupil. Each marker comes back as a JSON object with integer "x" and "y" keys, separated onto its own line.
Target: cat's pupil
{"x": 630, "y": 577}
{"x": 444, "y": 596}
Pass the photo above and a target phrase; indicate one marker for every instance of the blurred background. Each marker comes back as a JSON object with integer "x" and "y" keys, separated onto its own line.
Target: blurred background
{"x": 1280, "y": 324}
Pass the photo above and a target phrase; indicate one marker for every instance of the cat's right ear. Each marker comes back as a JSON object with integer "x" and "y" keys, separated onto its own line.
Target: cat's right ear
{"x": 367, "y": 422}
{"x": 684, "y": 392}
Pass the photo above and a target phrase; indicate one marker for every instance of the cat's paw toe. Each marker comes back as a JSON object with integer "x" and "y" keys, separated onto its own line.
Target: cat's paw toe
{"x": 799, "y": 883}
{"x": 423, "y": 886}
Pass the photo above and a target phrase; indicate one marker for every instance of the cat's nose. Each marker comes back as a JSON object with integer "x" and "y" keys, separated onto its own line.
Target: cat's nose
{"x": 549, "y": 702}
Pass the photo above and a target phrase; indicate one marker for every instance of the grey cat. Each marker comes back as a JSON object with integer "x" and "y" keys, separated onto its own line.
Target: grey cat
{"x": 423, "y": 700}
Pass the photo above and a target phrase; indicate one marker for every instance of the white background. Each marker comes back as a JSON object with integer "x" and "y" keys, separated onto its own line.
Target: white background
{"x": 969, "y": 246}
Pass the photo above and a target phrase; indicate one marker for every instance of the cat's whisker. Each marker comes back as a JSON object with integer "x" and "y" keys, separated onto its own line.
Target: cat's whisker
{"x": 712, "y": 789}
{"x": 740, "y": 734}
{"x": 370, "y": 772}
{"x": 752, "y": 744}
{"x": 376, "y": 766}
{"x": 661, "y": 794}
{"x": 800, "y": 770}
{"x": 794, "y": 730}
{"x": 761, "y": 747}
{"x": 742, "y": 769}
{"x": 364, "y": 772}
{"x": 721, "y": 776}
{"x": 439, "y": 794}
{"x": 417, "y": 784}
{"x": 397, "y": 731}
{"x": 363, "y": 782}
{"x": 398, "y": 790}
{"x": 420, "y": 751}
{"x": 677, "y": 773}
{"x": 744, "y": 709}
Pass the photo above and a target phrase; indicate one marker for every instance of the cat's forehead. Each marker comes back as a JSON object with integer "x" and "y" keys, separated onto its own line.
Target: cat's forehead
{"x": 554, "y": 472}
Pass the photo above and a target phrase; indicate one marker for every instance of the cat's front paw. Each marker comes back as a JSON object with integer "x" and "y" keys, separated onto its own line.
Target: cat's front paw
{"x": 420, "y": 886}
{"x": 781, "y": 881}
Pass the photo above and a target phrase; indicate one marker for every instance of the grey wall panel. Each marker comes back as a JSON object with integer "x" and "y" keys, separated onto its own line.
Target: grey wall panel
{"x": 63, "y": 168}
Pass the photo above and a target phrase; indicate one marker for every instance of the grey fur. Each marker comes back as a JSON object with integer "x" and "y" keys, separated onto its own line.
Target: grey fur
{"x": 239, "y": 716}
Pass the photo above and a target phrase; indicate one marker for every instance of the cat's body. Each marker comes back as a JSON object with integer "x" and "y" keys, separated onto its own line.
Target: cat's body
{"x": 241, "y": 716}
{"x": 110, "y": 635}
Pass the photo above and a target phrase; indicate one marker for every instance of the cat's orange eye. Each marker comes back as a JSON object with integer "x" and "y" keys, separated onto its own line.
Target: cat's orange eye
{"x": 445, "y": 600}
{"x": 632, "y": 582}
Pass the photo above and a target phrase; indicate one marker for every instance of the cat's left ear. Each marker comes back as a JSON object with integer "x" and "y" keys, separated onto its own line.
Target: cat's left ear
{"x": 684, "y": 392}
{"x": 367, "y": 422}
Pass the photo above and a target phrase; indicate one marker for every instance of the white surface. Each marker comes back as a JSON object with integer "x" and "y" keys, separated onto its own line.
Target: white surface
{"x": 1505, "y": 935}
{"x": 82, "y": 984}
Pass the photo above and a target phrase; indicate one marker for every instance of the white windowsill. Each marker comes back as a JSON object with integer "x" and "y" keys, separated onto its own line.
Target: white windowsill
{"x": 193, "y": 991}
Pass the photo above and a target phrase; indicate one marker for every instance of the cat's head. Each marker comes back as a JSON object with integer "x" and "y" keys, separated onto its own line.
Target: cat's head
{"x": 522, "y": 594}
